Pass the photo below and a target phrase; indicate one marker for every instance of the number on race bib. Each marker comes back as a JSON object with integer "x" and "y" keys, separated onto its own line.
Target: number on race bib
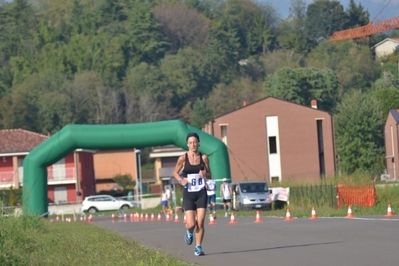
{"x": 196, "y": 182}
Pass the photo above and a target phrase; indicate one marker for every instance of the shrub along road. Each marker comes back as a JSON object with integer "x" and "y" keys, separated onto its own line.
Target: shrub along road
{"x": 368, "y": 240}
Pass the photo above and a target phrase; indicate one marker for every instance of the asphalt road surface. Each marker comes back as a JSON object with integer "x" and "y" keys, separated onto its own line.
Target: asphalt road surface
{"x": 372, "y": 240}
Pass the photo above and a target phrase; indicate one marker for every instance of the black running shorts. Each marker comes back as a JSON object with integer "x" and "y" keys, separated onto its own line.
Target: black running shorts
{"x": 194, "y": 200}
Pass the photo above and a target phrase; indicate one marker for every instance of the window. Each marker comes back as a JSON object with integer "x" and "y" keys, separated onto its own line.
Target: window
{"x": 223, "y": 129}
{"x": 272, "y": 145}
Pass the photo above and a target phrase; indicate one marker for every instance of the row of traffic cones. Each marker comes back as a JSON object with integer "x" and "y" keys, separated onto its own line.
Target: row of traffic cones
{"x": 349, "y": 214}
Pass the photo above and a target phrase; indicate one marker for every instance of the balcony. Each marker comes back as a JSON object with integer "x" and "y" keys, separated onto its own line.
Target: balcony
{"x": 6, "y": 179}
{"x": 54, "y": 176}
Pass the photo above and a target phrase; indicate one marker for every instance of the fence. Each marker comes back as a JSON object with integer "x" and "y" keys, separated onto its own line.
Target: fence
{"x": 314, "y": 195}
{"x": 362, "y": 196}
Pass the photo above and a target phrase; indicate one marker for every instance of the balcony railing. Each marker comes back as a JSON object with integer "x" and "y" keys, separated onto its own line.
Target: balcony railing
{"x": 58, "y": 174}
{"x": 54, "y": 175}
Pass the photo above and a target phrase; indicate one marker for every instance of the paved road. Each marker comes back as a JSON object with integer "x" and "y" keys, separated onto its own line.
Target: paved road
{"x": 325, "y": 241}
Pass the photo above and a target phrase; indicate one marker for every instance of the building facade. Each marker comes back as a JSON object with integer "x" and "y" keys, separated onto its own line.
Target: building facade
{"x": 69, "y": 180}
{"x": 391, "y": 135}
{"x": 275, "y": 140}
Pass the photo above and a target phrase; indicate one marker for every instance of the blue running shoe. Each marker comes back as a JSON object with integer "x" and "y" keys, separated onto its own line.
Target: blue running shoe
{"x": 188, "y": 237}
{"x": 198, "y": 251}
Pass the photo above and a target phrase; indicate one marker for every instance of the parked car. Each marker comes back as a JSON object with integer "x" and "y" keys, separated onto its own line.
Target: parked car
{"x": 104, "y": 203}
{"x": 251, "y": 195}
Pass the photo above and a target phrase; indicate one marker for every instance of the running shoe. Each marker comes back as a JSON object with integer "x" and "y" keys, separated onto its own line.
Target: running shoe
{"x": 188, "y": 237}
{"x": 198, "y": 251}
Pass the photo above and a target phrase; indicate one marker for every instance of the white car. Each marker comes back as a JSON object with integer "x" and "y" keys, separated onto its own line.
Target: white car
{"x": 104, "y": 203}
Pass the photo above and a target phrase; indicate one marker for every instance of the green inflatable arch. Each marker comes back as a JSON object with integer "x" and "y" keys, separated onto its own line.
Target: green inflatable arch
{"x": 105, "y": 137}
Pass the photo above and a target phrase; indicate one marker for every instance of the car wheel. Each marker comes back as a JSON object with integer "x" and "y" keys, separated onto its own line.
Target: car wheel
{"x": 92, "y": 210}
{"x": 125, "y": 207}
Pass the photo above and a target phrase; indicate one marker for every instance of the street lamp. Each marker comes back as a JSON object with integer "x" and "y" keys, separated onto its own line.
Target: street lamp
{"x": 138, "y": 176}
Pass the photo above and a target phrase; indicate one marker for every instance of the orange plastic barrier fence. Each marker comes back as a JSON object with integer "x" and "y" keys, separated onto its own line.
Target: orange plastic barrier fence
{"x": 363, "y": 196}
{"x": 367, "y": 30}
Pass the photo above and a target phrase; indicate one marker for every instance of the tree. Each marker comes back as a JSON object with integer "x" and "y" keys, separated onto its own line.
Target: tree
{"x": 185, "y": 76}
{"x": 125, "y": 181}
{"x": 301, "y": 85}
{"x": 182, "y": 26}
{"x": 359, "y": 134}
{"x": 357, "y": 16}
{"x": 202, "y": 113}
{"x": 353, "y": 64}
{"x": 323, "y": 18}
{"x": 251, "y": 23}
{"x": 245, "y": 91}
{"x": 292, "y": 31}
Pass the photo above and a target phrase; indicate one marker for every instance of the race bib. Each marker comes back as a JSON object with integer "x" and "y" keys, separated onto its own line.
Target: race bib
{"x": 195, "y": 182}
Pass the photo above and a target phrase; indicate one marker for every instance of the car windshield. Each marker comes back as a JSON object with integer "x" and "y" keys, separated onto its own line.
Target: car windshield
{"x": 254, "y": 187}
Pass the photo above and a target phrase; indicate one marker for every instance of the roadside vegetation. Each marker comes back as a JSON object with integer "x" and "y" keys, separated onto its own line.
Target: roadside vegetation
{"x": 36, "y": 241}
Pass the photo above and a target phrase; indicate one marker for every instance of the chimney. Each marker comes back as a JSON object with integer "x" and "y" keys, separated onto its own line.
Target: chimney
{"x": 313, "y": 104}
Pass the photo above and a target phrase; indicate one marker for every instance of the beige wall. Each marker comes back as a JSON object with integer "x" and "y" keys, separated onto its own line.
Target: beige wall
{"x": 108, "y": 164}
{"x": 385, "y": 48}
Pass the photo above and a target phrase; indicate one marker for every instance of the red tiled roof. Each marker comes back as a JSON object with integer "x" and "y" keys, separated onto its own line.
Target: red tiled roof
{"x": 19, "y": 140}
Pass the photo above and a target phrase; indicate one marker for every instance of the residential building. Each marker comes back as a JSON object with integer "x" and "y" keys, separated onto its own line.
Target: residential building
{"x": 275, "y": 140}
{"x": 391, "y": 135}
{"x": 165, "y": 158}
{"x": 386, "y": 47}
{"x": 69, "y": 180}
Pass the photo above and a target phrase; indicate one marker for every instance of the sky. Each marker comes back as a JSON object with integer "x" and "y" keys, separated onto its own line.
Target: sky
{"x": 373, "y": 6}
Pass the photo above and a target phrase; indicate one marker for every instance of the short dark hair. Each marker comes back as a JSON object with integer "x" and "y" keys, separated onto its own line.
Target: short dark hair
{"x": 192, "y": 134}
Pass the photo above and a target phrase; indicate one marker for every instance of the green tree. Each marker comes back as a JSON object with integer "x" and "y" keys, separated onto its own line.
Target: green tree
{"x": 301, "y": 85}
{"x": 357, "y": 16}
{"x": 292, "y": 31}
{"x": 359, "y": 133}
{"x": 202, "y": 113}
{"x": 323, "y": 18}
{"x": 182, "y": 26}
{"x": 251, "y": 23}
{"x": 353, "y": 64}
{"x": 387, "y": 97}
{"x": 125, "y": 181}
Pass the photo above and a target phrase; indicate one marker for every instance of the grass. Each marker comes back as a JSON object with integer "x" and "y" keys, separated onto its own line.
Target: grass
{"x": 36, "y": 241}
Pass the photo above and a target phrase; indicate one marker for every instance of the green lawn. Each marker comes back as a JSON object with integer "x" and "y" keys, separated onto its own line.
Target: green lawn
{"x": 37, "y": 241}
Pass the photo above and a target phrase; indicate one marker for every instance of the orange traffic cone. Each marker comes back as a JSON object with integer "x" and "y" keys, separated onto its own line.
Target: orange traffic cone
{"x": 159, "y": 217}
{"x": 167, "y": 217}
{"x": 177, "y": 218}
{"x": 389, "y": 211}
{"x": 232, "y": 219}
{"x": 57, "y": 218}
{"x": 288, "y": 216}
{"x": 314, "y": 216}
{"x": 258, "y": 219}
{"x": 131, "y": 217}
{"x": 211, "y": 219}
{"x": 185, "y": 219}
{"x": 350, "y": 214}
{"x": 146, "y": 217}
{"x": 113, "y": 216}
{"x": 90, "y": 218}
{"x": 152, "y": 217}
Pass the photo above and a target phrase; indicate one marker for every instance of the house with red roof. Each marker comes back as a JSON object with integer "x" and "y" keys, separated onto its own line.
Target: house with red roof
{"x": 69, "y": 180}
